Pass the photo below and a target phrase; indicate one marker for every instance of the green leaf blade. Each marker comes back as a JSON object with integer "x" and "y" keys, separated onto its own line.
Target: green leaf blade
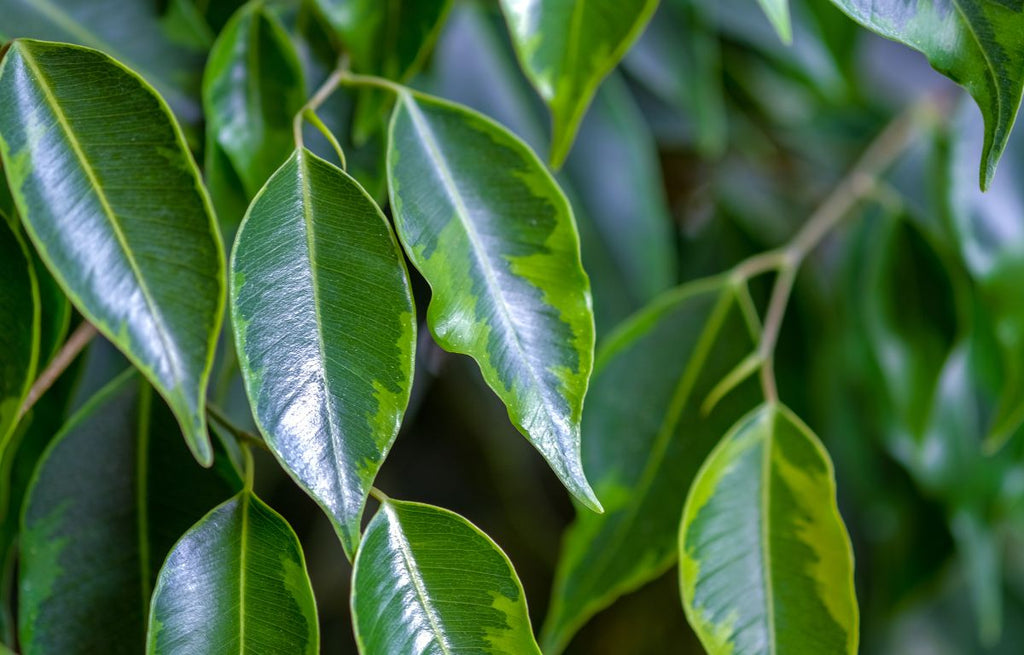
{"x": 765, "y": 561}
{"x": 111, "y": 495}
{"x": 326, "y": 332}
{"x": 252, "y": 89}
{"x": 236, "y": 582}
{"x": 567, "y": 48}
{"x": 19, "y": 328}
{"x": 428, "y": 581}
{"x": 494, "y": 236}
{"x": 118, "y": 214}
{"x": 979, "y": 44}
{"x": 645, "y": 436}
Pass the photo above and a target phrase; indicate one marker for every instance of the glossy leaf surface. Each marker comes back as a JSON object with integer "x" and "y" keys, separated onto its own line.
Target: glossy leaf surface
{"x": 252, "y": 88}
{"x": 118, "y": 213}
{"x": 109, "y": 499}
{"x": 644, "y": 437}
{"x": 611, "y": 177}
{"x": 566, "y": 48}
{"x": 127, "y": 30}
{"x": 19, "y": 327}
{"x": 765, "y": 561}
{"x": 492, "y": 233}
{"x": 979, "y": 44}
{"x": 426, "y": 580}
{"x": 326, "y": 332}
{"x": 235, "y": 583}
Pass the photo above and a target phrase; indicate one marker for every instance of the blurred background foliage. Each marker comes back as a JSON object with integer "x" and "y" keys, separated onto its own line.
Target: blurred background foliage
{"x": 903, "y": 347}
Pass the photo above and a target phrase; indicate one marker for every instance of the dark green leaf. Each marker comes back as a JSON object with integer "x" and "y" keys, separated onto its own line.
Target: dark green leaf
{"x": 235, "y": 583}
{"x": 252, "y": 88}
{"x": 979, "y": 44}
{"x": 128, "y": 30}
{"x": 492, "y": 233}
{"x": 118, "y": 213}
{"x": 426, "y": 580}
{"x": 765, "y": 561}
{"x": 645, "y": 435}
{"x": 110, "y": 497}
{"x": 326, "y": 332}
{"x": 567, "y": 48}
{"x": 19, "y": 328}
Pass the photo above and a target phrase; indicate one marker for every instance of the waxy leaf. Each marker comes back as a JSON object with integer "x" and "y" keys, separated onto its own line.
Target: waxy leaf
{"x": 765, "y": 561}
{"x": 235, "y": 583}
{"x": 19, "y": 328}
{"x": 645, "y": 435}
{"x": 567, "y": 47}
{"x": 621, "y": 210}
{"x": 494, "y": 236}
{"x": 127, "y": 30}
{"x": 979, "y": 44}
{"x": 426, "y": 580}
{"x": 110, "y": 497}
{"x": 326, "y": 330}
{"x": 118, "y": 213}
{"x": 252, "y": 89}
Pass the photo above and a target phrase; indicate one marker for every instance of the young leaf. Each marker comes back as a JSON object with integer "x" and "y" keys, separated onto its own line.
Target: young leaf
{"x": 130, "y": 32}
{"x": 116, "y": 210}
{"x": 252, "y": 88}
{"x": 765, "y": 561}
{"x": 111, "y": 495}
{"x": 235, "y": 583}
{"x": 494, "y": 236}
{"x": 979, "y": 44}
{"x": 567, "y": 48}
{"x": 19, "y": 328}
{"x": 326, "y": 330}
{"x": 645, "y": 437}
{"x": 426, "y": 580}
{"x": 778, "y": 13}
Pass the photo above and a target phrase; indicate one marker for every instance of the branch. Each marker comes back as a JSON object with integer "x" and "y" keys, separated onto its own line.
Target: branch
{"x": 78, "y": 340}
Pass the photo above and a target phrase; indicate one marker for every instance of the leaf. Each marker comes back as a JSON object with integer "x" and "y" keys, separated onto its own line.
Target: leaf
{"x": 118, "y": 213}
{"x": 426, "y": 580}
{"x": 108, "y": 500}
{"x": 765, "y": 561}
{"x": 567, "y": 48}
{"x": 326, "y": 332}
{"x": 491, "y": 232}
{"x": 235, "y": 583}
{"x": 620, "y": 208}
{"x": 645, "y": 436}
{"x": 390, "y": 39}
{"x": 127, "y": 30}
{"x": 19, "y": 328}
{"x": 778, "y": 13}
{"x": 979, "y": 44}
{"x": 252, "y": 89}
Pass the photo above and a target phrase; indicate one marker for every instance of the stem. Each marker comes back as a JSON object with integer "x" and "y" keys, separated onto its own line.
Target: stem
{"x": 379, "y": 495}
{"x": 354, "y": 79}
{"x": 243, "y": 436}
{"x": 860, "y": 182}
{"x": 321, "y": 95}
{"x": 78, "y": 340}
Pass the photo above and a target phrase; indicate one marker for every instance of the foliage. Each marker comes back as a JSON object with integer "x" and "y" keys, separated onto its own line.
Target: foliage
{"x": 373, "y": 281}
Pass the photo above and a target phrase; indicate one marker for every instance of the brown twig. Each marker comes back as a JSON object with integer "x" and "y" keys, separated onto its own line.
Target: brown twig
{"x": 78, "y": 340}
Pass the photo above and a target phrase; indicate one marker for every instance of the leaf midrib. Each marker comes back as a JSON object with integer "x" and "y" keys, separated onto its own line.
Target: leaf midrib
{"x": 989, "y": 66}
{"x": 334, "y": 432}
{"x": 108, "y": 212}
{"x": 444, "y": 171}
{"x": 766, "y": 554}
{"x": 409, "y": 561}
